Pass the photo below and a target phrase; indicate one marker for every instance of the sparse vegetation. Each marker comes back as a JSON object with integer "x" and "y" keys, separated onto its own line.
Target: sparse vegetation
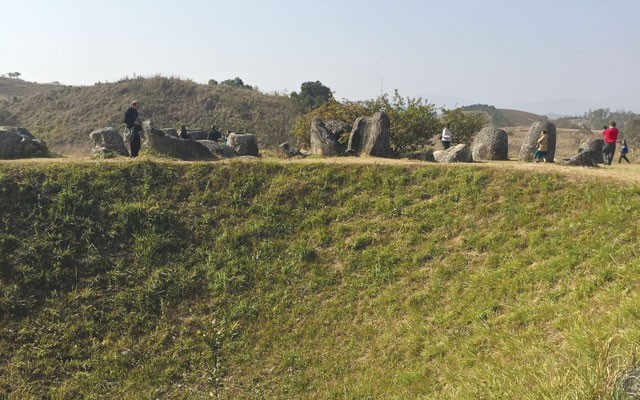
{"x": 64, "y": 116}
{"x": 313, "y": 281}
{"x": 465, "y": 125}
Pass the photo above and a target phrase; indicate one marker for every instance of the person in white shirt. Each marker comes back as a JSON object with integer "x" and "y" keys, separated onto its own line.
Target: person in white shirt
{"x": 446, "y": 137}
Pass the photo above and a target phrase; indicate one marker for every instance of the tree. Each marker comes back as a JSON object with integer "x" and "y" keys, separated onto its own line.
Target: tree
{"x": 237, "y": 83}
{"x": 413, "y": 121}
{"x": 213, "y": 82}
{"x": 463, "y": 125}
{"x": 631, "y": 132}
{"x": 13, "y": 74}
{"x": 312, "y": 95}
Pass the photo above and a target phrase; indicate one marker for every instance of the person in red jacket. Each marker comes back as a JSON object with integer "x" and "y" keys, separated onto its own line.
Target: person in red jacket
{"x": 610, "y": 138}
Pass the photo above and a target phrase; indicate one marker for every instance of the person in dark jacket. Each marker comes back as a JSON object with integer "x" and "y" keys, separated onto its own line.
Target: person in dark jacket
{"x": 182, "y": 134}
{"x": 133, "y": 128}
{"x": 214, "y": 134}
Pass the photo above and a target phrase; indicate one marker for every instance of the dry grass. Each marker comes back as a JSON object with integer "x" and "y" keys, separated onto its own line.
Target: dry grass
{"x": 628, "y": 174}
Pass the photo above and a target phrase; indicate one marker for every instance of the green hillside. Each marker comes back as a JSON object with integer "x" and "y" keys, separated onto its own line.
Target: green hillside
{"x": 64, "y": 116}
{"x": 145, "y": 280}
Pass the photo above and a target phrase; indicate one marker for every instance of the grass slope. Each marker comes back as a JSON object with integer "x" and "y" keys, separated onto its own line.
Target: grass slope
{"x": 64, "y": 116}
{"x": 262, "y": 280}
{"x": 10, "y": 88}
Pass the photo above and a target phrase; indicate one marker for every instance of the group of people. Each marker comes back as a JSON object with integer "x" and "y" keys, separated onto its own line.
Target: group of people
{"x": 133, "y": 130}
{"x": 610, "y": 135}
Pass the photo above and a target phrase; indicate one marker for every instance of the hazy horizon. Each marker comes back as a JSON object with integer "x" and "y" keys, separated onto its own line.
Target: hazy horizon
{"x": 562, "y": 57}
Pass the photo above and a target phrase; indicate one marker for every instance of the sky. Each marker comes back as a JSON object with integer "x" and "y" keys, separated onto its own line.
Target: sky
{"x": 549, "y": 57}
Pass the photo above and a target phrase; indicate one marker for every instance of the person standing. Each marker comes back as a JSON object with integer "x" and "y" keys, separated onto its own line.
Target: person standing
{"x": 133, "y": 128}
{"x": 623, "y": 152}
{"x": 446, "y": 137}
{"x": 610, "y": 138}
{"x": 183, "y": 133}
{"x": 214, "y": 134}
{"x": 543, "y": 147}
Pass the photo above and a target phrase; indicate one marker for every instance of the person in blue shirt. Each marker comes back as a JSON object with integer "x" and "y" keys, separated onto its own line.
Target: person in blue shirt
{"x": 623, "y": 152}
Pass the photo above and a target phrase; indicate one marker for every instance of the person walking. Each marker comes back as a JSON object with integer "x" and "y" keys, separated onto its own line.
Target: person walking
{"x": 623, "y": 152}
{"x": 610, "y": 138}
{"x": 446, "y": 137}
{"x": 543, "y": 147}
{"x": 133, "y": 127}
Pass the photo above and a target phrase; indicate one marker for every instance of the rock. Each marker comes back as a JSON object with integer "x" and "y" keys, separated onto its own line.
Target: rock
{"x": 586, "y": 158}
{"x": 289, "y": 151}
{"x": 198, "y": 134}
{"x": 337, "y": 128}
{"x": 529, "y": 144}
{"x": 109, "y": 139}
{"x": 220, "y": 150}
{"x": 243, "y": 144}
{"x": 592, "y": 145}
{"x": 188, "y": 150}
{"x": 458, "y": 153}
{"x": 171, "y": 132}
{"x": 629, "y": 385}
{"x": 323, "y": 142}
{"x": 491, "y": 144}
{"x": 371, "y": 136}
{"x": 17, "y": 142}
{"x": 102, "y": 152}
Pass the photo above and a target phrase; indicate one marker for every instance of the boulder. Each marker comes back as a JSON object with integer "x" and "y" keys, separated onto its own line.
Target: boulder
{"x": 371, "y": 136}
{"x": 586, "y": 158}
{"x": 188, "y": 150}
{"x": 16, "y": 142}
{"x": 337, "y": 128}
{"x": 491, "y": 144}
{"x": 289, "y": 151}
{"x": 594, "y": 145}
{"x": 628, "y": 386}
{"x": 458, "y": 153}
{"x": 198, "y": 134}
{"x": 323, "y": 142}
{"x": 108, "y": 140}
{"x": 171, "y": 132}
{"x": 529, "y": 144}
{"x": 220, "y": 150}
{"x": 243, "y": 144}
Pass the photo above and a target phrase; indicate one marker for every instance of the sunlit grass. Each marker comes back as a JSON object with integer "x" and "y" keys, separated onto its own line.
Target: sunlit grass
{"x": 260, "y": 280}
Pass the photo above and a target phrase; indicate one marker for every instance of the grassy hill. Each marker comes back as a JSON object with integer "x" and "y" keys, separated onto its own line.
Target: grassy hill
{"x": 10, "y": 88}
{"x": 501, "y": 117}
{"x": 64, "y": 116}
{"x": 520, "y": 118}
{"x": 261, "y": 280}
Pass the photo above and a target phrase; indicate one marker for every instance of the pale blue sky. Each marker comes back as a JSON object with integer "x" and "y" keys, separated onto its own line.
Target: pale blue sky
{"x": 560, "y": 56}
